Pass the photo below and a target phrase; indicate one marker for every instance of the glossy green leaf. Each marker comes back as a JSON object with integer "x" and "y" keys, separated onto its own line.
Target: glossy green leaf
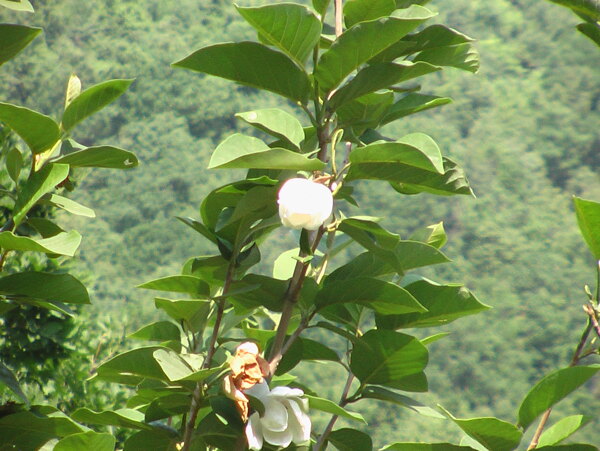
{"x": 461, "y": 56}
{"x": 590, "y": 30}
{"x": 445, "y": 303}
{"x": 100, "y": 157}
{"x": 551, "y": 389}
{"x": 494, "y": 434}
{"x": 367, "y": 264}
{"x": 29, "y": 430}
{"x": 379, "y": 76}
{"x": 347, "y": 439}
{"x": 92, "y": 100}
{"x": 157, "y": 331}
{"x": 179, "y": 284}
{"x": 172, "y": 364}
{"x": 15, "y": 38}
{"x": 68, "y": 205}
{"x": 361, "y": 42}
{"x": 8, "y": 378}
{"x": 199, "y": 227}
{"x": 131, "y": 367}
{"x": 434, "y": 235}
{"x": 416, "y": 150}
{"x": 277, "y": 123}
{"x": 363, "y": 10}
{"x": 383, "y": 357}
{"x": 14, "y": 163}
{"x": 383, "y": 394}
{"x": 368, "y": 233}
{"x": 292, "y": 28}
{"x": 89, "y": 441}
{"x": 184, "y": 309}
{"x": 240, "y": 151}
{"x": 39, "y": 285}
{"x": 250, "y": 63}
{"x": 39, "y": 132}
{"x": 325, "y": 405}
{"x": 562, "y": 429}
{"x": 125, "y": 418}
{"x": 414, "y": 181}
{"x": 588, "y": 218}
{"x": 384, "y": 297}
{"x": 62, "y": 244}
{"x": 413, "y": 103}
{"x": 39, "y": 184}
{"x": 425, "y": 447}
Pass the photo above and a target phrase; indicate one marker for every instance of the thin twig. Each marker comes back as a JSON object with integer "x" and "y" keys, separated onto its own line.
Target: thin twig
{"x": 592, "y": 314}
{"x": 343, "y": 401}
{"x": 338, "y": 17}
{"x": 539, "y": 430}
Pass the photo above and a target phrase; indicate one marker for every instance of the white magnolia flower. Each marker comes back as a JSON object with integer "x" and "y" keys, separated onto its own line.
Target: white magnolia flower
{"x": 304, "y": 204}
{"x": 285, "y": 419}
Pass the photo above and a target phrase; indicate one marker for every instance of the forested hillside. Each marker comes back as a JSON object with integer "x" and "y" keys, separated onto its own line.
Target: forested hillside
{"x": 526, "y": 128}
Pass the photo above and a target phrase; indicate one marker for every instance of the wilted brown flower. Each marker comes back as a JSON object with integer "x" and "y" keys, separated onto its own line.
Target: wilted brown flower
{"x": 248, "y": 368}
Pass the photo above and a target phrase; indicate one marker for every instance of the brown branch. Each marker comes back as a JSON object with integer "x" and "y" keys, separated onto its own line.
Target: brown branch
{"x": 343, "y": 401}
{"x": 592, "y": 314}
{"x": 338, "y": 17}
{"x": 539, "y": 430}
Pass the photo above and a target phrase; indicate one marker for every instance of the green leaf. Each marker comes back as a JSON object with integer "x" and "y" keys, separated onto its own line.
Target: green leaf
{"x": 173, "y": 366}
{"x": 590, "y": 8}
{"x": 68, "y": 205}
{"x": 184, "y": 309}
{"x": 444, "y": 304}
{"x": 8, "y": 378}
{"x": 125, "y": 418}
{"x": 361, "y": 42}
{"x": 562, "y": 429}
{"x": 61, "y": 243}
{"x": 384, "y": 297}
{"x": 44, "y": 227}
{"x": 250, "y": 63}
{"x": 416, "y": 150}
{"x": 268, "y": 294}
{"x": 379, "y": 76}
{"x": 157, "y": 331}
{"x": 425, "y": 447}
{"x": 551, "y": 389}
{"x": 131, "y": 367}
{"x": 347, "y": 439}
{"x": 590, "y": 30}
{"x": 413, "y": 103}
{"x": 494, "y": 434}
{"x": 90, "y": 441}
{"x": 38, "y": 184}
{"x": 321, "y": 6}
{"x": 383, "y": 357}
{"x": 277, "y": 123}
{"x": 414, "y": 181}
{"x": 14, "y": 163}
{"x": 569, "y": 447}
{"x": 284, "y": 265}
{"x": 29, "y": 430}
{"x": 461, "y": 56}
{"x": 199, "y": 227}
{"x": 92, "y": 100}
{"x": 179, "y": 284}
{"x": 434, "y": 235}
{"x": 291, "y": 27}
{"x": 40, "y": 285}
{"x": 17, "y": 5}
{"x": 325, "y": 405}
{"x": 100, "y": 157}
{"x": 15, "y": 38}
{"x": 588, "y": 218}
{"x": 158, "y": 439}
{"x": 363, "y": 10}
{"x": 366, "y": 111}
{"x": 383, "y": 394}
{"x": 433, "y": 338}
{"x": 39, "y": 132}
{"x": 240, "y": 151}
{"x": 368, "y": 233}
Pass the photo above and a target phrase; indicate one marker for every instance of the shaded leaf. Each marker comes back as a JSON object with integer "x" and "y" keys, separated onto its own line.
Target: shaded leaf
{"x": 362, "y": 10}
{"x": 131, "y": 367}
{"x": 39, "y": 132}
{"x": 384, "y": 394}
{"x": 100, "y": 157}
{"x": 551, "y": 389}
{"x": 179, "y": 284}
{"x": 126, "y": 418}
{"x": 347, "y": 439}
{"x": 291, "y": 27}
{"x": 89, "y": 441}
{"x": 8, "y": 378}
{"x": 590, "y": 30}
{"x": 157, "y": 331}
{"x": 425, "y": 447}
{"x": 158, "y": 439}
{"x": 461, "y": 56}
{"x": 413, "y": 103}
{"x": 434, "y": 235}
{"x": 40, "y": 285}
{"x": 590, "y": 8}
{"x": 325, "y": 405}
{"x": 92, "y": 100}
{"x": 588, "y": 218}
{"x": 15, "y": 38}
{"x": 184, "y": 309}
{"x": 250, "y": 63}
{"x": 14, "y": 163}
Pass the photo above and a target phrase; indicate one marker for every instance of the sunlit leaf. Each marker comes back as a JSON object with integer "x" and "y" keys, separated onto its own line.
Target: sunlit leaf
{"x": 325, "y": 405}
{"x": 39, "y": 132}
{"x": 65, "y": 243}
{"x": 100, "y": 157}
{"x": 362, "y": 10}
{"x": 277, "y": 123}
{"x": 127, "y": 418}
{"x": 588, "y": 218}
{"x": 46, "y": 286}
{"x": 562, "y": 429}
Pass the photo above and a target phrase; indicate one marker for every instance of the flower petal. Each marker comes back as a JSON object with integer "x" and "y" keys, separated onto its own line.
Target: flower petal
{"x": 283, "y": 438}
{"x": 254, "y": 432}
{"x": 286, "y": 392}
{"x": 276, "y": 415}
{"x": 298, "y": 421}
{"x": 260, "y": 390}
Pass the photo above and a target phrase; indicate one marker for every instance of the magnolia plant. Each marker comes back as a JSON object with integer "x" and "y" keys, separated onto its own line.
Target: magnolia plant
{"x": 219, "y": 373}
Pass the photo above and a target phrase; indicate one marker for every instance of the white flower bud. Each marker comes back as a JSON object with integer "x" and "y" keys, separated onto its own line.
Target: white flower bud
{"x": 304, "y": 204}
